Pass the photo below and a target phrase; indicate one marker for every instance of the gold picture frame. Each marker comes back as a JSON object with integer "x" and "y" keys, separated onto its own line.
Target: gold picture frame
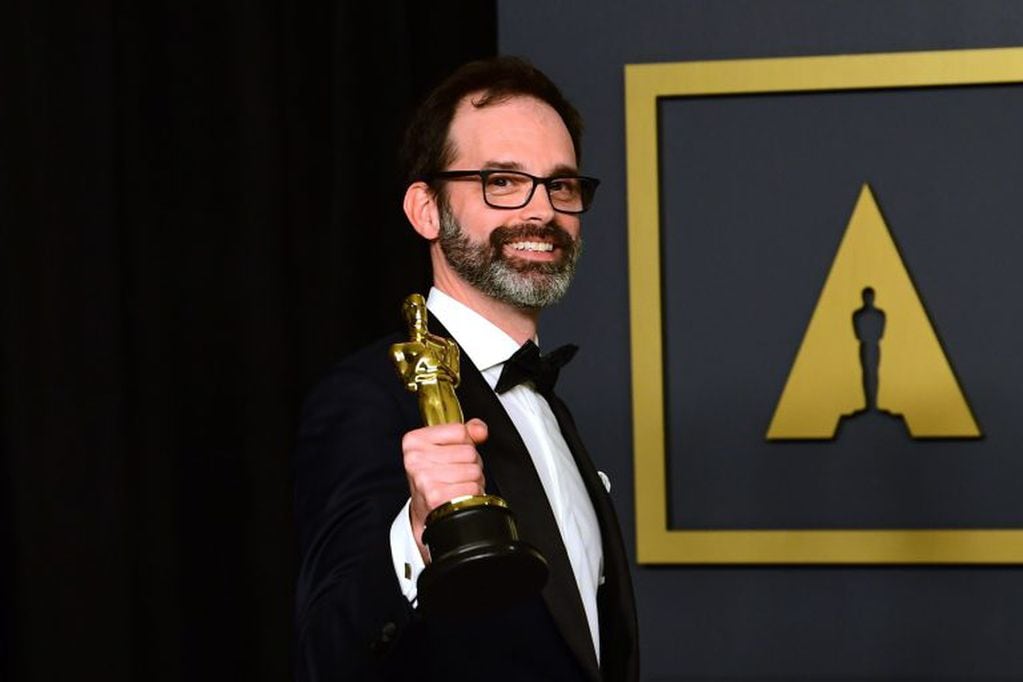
{"x": 644, "y": 85}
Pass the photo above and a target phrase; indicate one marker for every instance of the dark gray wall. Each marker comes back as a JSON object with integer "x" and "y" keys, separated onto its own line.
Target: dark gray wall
{"x": 744, "y": 623}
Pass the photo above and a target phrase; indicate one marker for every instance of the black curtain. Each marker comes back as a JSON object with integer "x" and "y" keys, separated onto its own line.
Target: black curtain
{"x": 199, "y": 212}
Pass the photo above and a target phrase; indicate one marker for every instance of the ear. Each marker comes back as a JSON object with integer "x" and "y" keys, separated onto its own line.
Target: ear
{"x": 421, "y": 210}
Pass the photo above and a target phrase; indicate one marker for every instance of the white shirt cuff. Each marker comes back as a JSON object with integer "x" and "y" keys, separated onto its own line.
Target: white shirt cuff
{"x": 408, "y": 563}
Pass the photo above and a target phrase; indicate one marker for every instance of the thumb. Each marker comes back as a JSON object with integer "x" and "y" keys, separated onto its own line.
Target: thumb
{"x": 477, "y": 430}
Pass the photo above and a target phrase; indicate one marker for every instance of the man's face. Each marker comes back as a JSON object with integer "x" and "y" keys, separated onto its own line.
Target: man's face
{"x": 526, "y": 256}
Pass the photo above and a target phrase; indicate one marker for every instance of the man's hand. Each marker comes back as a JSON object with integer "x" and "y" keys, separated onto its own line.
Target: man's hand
{"x": 441, "y": 463}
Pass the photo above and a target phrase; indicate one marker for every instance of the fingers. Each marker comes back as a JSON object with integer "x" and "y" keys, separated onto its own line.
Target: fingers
{"x": 442, "y": 463}
{"x": 435, "y": 492}
{"x": 423, "y": 453}
{"x": 472, "y": 432}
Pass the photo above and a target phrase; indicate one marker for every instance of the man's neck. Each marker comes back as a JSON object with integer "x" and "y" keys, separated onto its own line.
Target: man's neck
{"x": 518, "y": 323}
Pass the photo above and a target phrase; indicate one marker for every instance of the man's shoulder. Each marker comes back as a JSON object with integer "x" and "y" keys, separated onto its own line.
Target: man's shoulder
{"x": 367, "y": 371}
{"x": 374, "y": 358}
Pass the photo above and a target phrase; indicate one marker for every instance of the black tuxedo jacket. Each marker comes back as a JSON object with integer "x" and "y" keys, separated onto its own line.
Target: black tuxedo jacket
{"x": 352, "y": 621}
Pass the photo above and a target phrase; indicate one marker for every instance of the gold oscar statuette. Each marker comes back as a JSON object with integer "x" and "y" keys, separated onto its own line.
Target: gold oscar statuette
{"x": 477, "y": 560}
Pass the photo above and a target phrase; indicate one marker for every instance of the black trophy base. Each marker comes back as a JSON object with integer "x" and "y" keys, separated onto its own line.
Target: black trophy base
{"x": 479, "y": 564}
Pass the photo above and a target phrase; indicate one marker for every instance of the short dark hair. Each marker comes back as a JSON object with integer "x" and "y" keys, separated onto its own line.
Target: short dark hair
{"x": 427, "y": 149}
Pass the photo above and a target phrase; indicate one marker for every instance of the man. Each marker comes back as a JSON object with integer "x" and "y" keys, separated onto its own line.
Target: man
{"x": 495, "y": 190}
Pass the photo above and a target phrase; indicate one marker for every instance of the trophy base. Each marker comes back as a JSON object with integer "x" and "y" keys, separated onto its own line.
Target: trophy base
{"x": 479, "y": 563}
{"x": 481, "y": 579}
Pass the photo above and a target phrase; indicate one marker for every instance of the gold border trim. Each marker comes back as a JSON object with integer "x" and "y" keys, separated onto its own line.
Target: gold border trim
{"x": 644, "y": 84}
{"x": 464, "y": 502}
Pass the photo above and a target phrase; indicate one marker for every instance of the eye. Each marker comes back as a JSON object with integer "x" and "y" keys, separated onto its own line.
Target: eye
{"x": 564, "y": 187}
{"x": 506, "y": 183}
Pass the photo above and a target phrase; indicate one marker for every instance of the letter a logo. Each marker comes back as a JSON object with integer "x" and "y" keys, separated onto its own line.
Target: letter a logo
{"x": 870, "y": 347}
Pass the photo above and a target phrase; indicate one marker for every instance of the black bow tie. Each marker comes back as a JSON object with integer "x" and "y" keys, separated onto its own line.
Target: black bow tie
{"x": 528, "y": 365}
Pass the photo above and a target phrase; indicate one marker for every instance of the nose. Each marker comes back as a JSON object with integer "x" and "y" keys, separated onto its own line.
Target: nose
{"x": 539, "y": 208}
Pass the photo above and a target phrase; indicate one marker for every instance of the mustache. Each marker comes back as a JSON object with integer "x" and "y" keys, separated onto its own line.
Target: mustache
{"x": 555, "y": 234}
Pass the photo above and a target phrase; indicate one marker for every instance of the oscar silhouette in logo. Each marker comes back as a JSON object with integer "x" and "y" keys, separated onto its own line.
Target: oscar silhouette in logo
{"x": 868, "y": 323}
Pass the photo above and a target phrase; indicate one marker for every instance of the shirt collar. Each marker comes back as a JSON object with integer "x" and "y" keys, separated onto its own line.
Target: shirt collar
{"x": 485, "y": 344}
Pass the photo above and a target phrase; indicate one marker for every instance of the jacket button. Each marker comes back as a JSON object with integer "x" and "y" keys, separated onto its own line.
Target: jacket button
{"x": 380, "y": 645}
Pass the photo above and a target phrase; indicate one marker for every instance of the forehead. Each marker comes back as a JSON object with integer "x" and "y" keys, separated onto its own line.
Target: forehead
{"x": 518, "y": 130}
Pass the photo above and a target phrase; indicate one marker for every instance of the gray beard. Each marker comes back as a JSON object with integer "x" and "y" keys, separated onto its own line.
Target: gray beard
{"x": 523, "y": 284}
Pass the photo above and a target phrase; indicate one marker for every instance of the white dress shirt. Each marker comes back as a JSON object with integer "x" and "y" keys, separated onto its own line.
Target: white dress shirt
{"x": 488, "y": 348}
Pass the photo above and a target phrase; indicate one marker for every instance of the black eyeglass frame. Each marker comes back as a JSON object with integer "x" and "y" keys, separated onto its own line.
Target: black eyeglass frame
{"x": 587, "y": 186}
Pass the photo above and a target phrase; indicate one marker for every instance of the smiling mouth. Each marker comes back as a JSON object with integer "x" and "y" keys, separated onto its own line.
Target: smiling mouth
{"x": 532, "y": 243}
{"x": 532, "y": 246}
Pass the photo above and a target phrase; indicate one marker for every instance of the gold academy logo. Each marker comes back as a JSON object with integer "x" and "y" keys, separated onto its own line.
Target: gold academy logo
{"x": 826, "y": 382}
{"x": 870, "y": 347}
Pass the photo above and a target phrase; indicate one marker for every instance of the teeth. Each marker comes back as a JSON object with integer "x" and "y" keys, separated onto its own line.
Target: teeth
{"x": 532, "y": 246}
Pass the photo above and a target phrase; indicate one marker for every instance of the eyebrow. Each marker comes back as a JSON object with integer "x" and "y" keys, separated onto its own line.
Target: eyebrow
{"x": 559, "y": 170}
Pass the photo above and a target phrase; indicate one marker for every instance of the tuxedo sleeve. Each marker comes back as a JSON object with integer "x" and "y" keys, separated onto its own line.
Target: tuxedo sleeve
{"x": 350, "y": 613}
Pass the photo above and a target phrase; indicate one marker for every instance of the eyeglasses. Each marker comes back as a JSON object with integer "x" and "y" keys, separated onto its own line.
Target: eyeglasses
{"x": 571, "y": 194}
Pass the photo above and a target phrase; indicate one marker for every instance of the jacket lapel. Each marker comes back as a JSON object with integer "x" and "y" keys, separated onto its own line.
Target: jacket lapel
{"x": 510, "y": 472}
{"x": 619, "y": 653}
